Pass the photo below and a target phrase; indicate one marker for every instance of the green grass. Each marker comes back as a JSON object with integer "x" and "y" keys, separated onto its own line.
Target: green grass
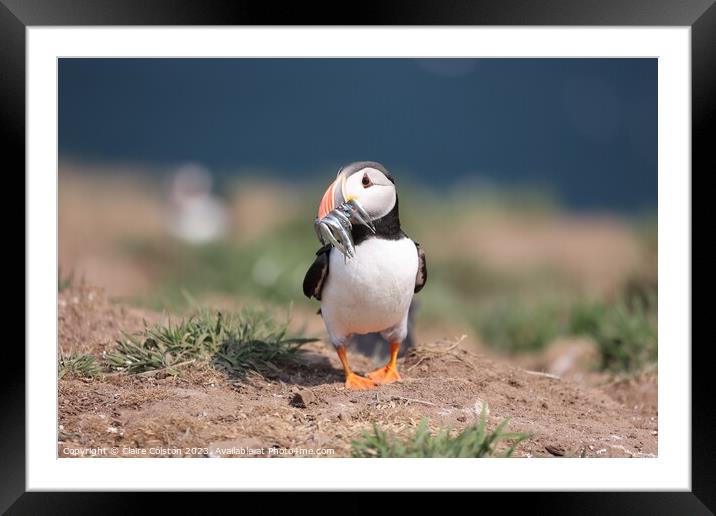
{"x": 625, "y": 331}
{"x": 474, "y": 441}
{"x": 251, "y": 340}
{"x": 64, "y": 282}
{"x": 270, "y": 269}
{"x": 513, "y": 325}
{"x": 86, "y": 366}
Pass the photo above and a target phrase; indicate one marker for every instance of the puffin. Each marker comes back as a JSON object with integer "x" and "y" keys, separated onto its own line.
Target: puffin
{"x": 366, "y": 274}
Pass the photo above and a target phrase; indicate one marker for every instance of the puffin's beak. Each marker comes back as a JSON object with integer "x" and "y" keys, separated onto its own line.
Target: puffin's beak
{"x": 333, "y": 224}
{"x": 327, "y": 202}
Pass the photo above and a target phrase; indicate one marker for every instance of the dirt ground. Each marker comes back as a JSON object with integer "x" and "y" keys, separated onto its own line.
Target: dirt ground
{"x": 305, "y": 410}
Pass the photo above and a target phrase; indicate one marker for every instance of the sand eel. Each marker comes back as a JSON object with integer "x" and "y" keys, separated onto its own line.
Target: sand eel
{"x": 367, "y": 272}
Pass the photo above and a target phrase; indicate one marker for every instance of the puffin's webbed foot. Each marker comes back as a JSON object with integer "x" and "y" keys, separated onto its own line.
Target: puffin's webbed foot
{"x": 356, "y": 382}
{"x": 335, "y": 227}
{"x": 353, "y": 382}
{"x": 384, "y": 375}
{"x": 389, "y": 373}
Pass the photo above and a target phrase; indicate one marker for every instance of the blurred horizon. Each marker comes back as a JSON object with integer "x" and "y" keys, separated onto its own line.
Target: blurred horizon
{"x": 580, "y": 132}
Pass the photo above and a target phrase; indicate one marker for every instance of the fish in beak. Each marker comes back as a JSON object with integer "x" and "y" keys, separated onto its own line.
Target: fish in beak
{"x": 336, "y": 216}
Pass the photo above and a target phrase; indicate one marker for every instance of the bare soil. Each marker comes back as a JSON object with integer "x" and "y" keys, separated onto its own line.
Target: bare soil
{"x": 305, "y": 409}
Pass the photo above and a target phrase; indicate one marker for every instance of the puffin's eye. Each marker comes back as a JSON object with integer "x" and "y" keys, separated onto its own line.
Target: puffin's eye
{"x": 366, "y": 182}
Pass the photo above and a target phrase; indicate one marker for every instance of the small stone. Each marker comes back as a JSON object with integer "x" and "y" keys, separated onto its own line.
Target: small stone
{"x": 557, "y": 451}
{"x": 302, "y": 398}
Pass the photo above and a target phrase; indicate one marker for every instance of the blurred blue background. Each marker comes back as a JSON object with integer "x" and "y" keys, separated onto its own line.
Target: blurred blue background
{"x": 584, "y": 130}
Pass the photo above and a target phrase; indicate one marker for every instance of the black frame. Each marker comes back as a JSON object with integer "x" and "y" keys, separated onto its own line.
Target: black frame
{"x": 700, "y": 15}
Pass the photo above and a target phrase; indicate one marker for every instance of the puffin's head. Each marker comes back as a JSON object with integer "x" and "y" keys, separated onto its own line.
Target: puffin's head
{"x": 368, "y": 182}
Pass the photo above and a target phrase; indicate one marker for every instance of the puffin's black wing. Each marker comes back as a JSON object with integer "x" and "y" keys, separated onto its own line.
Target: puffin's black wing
{"x": 317, "y": 273}
{"x": 422, "y": 276}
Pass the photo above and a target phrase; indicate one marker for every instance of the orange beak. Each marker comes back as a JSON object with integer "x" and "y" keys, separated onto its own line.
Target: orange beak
{"x": 327, "y": 202}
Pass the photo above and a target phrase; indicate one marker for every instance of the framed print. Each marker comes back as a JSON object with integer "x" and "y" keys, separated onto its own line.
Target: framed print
{"x": 219, "y": 269}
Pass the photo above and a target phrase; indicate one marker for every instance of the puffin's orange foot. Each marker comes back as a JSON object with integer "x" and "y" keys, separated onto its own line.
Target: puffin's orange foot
{"x": 355, "y": 382}
{"x": 387, "y": 374}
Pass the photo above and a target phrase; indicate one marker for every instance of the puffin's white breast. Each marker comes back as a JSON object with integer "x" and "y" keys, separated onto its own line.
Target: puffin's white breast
{"x": 372, "y": 291}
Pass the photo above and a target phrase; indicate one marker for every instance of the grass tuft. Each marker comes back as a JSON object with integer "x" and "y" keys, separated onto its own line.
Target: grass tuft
{"x": 474, "y": 441}
{"x": 251, "y": 340}
{"x": 65, "y": 282}
{"x": 515, "y": 326}
{"x": 624, "y": 329}
{"x": 86, "y": 366}
{"x": 625, "y": 332}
